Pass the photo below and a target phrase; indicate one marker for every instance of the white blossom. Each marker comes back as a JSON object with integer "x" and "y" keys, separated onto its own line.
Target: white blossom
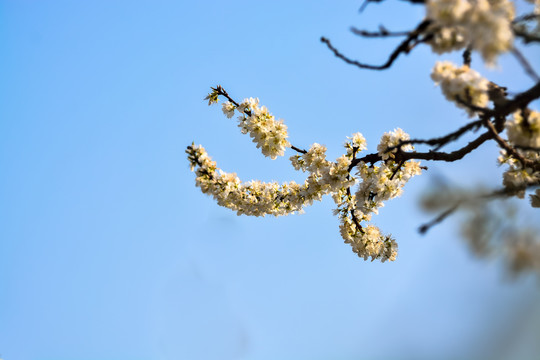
{"x": 483, "y": 25}
{"x": 228, "y": 109}
{"x": 524, "y": 131}
{"x": 379, "y": 183}
{"x": 269, "y": 134}
{"x": 461, "y": 83}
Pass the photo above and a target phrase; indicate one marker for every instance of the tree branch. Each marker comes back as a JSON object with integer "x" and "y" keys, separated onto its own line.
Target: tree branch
{"x": 405, "y": 47}
{"x": 378, "y": 34}
{"x": 443, "y": 140}
{"x": 430, "y": 155}
{"x": 525, "y": 64}
{"x": 425, "y": 227}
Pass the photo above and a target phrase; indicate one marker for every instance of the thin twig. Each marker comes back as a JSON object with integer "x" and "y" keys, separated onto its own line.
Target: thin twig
{"x": 405, "y": 47}
{"x": 377, "y": 34}
{"x": 503, "y": 144}
{"x": 221, "y": 91}
{"x": 443, "y": 140}
{"x": 298, "y": 150}
{"x": 526, "y": 17}
{"x": 424, "y": 228}
{"x": 525, "y": 35}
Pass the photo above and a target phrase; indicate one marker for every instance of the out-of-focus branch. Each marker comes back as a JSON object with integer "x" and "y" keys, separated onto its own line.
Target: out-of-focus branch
{"x": 467, "y": 59}
{"x": 525, "y": 64}
{"x": 506, "y": 106}
{"x": 440, "y": 218}
{"x": 526, "y": 36}
{"x": 383, "y": 32}
{"x": 503, "y": 144}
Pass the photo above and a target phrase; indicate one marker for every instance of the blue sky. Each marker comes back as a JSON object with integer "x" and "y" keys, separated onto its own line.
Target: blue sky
{"x": 110, "y": 252}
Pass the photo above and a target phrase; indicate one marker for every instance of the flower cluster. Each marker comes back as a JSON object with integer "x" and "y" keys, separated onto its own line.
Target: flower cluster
{"x": 483, "y": 25}
{"x": 269, "y": 134}
{"x": 391, "y": 142}
{"x": 257, "y": 198}
{"x": 379, "y": 183}
{"x": 524, "y": 130}
{"x": 250, "y": 198}
{"x": 447, "y": 39}
{"x": 524, "y": 134}
{"x": 523, "y": 252}
{"x": 461, "y": 85}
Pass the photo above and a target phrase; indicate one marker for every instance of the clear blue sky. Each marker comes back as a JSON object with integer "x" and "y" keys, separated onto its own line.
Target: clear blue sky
{"x": 108, "y": 251}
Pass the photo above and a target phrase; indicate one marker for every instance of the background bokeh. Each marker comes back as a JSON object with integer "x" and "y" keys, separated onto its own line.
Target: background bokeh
{"x": 108, "y": 251}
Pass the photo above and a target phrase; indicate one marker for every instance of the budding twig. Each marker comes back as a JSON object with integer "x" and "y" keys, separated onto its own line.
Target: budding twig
{"x": 221, "y": 91}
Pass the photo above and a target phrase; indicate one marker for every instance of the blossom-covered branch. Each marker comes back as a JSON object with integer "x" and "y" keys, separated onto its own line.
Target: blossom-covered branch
{"x": 376, "y": 183}
{"x": 360, "y": 183}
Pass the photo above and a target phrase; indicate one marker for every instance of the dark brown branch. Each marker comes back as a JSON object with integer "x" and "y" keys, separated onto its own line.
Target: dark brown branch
{"x": 400, "y": 164}
{"x": 443, "y": 156}
{"x": 430, "y": 155}
{"x": 520, "y": 101}
{"x": 221, "y": 91}
{"x": 527, "y": 148}
{"x": 503, "y": 144}
{"x": 353, "y": 217}
{"x": 504, "y": 107}
{"x": 526, "y": 36}
{"x": 467, "y": 57}
{"x": 443, "y": 140}
{"x": 404, "y": 48}
{"x": 485, "y": 111}
{"x": 526, "y": 17}
{"x": 378, "y": 34}
{"x": 302, "y": 151}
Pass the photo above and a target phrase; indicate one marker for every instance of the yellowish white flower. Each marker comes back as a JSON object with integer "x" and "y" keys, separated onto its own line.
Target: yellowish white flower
{"x": 461, "y": 85}
{"x": 524, "y": 131}
{"x": 228, "y": 109}
{"x": 256, "y": 198}
{"x": 483, "y": 25}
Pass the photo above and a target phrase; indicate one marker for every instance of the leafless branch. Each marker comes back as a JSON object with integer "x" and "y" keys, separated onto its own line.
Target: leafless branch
{"x": 404, "y": 48}
{"x": 525, "y": 64}
{"x": 467, "y": 57}
{"x": 425, "y": 227}
{"x": 383, "y": 32}
{"x": 443, "y": 140}
{"x": 511, "y": 150}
